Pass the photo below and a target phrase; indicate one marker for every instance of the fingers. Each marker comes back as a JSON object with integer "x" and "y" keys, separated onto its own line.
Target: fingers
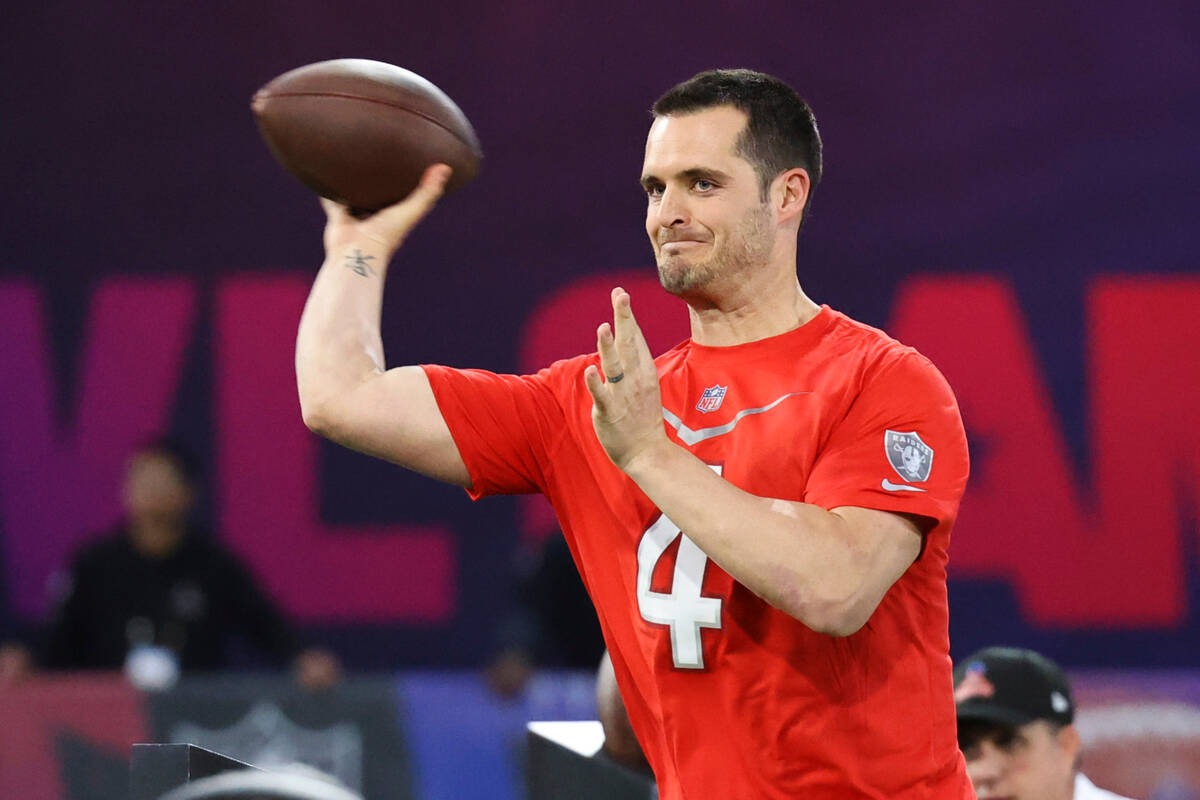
{"x": 631, "y": 344}
{"x": 611, "y": 362}
{"x": 622, "y": 347}
{"x": 622, "y": 352}
{"x": 429, "y": 190}
{"x": 595, "y": 386}
{"x": 390, "y": 225}
{"x": 436, "y": 176}
{"x": 334, "y": 211}
{"x": 611, "y": 371}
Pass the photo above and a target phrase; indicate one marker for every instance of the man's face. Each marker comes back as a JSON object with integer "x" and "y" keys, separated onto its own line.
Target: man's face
{"x": 704, "y": 214}
{"x": 1032, "y": 762}
{"x": 155, "y": 489}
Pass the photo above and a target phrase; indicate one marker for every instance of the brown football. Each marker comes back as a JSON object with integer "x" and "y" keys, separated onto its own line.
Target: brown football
{"x": 362, "y": 132}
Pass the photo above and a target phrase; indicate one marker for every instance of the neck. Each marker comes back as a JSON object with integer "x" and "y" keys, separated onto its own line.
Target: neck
{"x": 1070, "y": 788}
{"x": 749, "y": 312}
{"x": 157, "y": 538}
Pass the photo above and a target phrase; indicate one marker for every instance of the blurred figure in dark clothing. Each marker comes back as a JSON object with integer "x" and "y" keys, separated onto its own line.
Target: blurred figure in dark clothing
{"x": 158, "y": 588}
{"x": 553, "y": 623}
{"x": 620, "y": 742}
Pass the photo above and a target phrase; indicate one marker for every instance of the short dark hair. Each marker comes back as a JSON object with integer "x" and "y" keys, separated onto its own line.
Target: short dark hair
{"x": 781, "y": 131}
{"x": 181, "y": 457}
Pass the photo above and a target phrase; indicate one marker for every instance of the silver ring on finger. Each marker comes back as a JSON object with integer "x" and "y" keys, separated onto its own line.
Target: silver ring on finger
{"x": 615, "y": 378}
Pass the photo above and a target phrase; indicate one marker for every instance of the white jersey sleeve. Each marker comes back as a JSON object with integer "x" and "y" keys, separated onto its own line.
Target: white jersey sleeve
{"x": 1086, "y": 790}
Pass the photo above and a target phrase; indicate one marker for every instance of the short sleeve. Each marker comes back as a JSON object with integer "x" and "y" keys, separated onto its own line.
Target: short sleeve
{"x": 901, "y": 446}
{"x": 504, "y": 425}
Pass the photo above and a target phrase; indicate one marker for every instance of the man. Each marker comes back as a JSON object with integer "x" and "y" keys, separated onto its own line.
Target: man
{"x": 794, "y": 642}
{"x": 552, "y": 623}
{"x": 161, "y": 590}
{"x": 1015, "y": 715}
{"x": 620, "y": 742}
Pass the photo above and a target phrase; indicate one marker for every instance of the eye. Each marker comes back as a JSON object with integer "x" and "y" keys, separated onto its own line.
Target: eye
{"x": 1010, "y": 741}
{"x": 653, "y": 190}
{"x": 703, "y": 185}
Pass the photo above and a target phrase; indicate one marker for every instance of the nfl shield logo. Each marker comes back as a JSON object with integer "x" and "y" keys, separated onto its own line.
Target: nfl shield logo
{"x": 711, "y": 399}
{"x": 268, "y": 737}
{"x": 909, "y": 456}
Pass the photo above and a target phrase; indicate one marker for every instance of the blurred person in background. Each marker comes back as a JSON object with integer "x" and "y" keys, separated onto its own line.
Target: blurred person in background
{"x": 1015, "y": 728}
{"x": 552, "y": 623}
{"x": 158, "y": 595}
{"x": 620, "y": 742}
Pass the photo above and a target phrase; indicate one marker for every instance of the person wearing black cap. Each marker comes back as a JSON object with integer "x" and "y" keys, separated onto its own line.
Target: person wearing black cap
{"x": 1015, "y": 728}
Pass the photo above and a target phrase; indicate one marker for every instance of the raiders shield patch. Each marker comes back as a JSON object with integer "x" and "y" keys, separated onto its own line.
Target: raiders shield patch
{"x": 909, "y": 456}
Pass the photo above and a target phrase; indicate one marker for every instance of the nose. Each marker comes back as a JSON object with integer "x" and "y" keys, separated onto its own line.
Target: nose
{"x": 671, "y": 209}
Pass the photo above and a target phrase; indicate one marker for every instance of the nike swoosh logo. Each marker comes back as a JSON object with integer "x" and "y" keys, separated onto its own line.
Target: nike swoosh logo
{"x": 900, "y": 487}
{"x": 690, "y": 437}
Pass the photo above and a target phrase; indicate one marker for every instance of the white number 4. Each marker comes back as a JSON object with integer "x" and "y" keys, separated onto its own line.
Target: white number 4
{"x": 683, "y": 609}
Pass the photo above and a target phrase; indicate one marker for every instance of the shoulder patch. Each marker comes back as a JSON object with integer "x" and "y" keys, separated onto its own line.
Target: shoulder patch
{"x": 909, "y": 456}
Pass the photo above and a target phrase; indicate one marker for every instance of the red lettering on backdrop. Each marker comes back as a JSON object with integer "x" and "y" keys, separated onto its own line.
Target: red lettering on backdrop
{"x": 564, "y": 325}
{"x": 59, "y": 485}
{"x": 1108, "y": 554}
{"x": 268, "y": 494}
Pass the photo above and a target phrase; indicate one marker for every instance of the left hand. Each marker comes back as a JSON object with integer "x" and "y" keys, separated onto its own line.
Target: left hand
{"x": 626, "y": 400}
{"x": 16, "y": 663}
{"x": 510, "y": 671}
{"x": 316, "y": 669}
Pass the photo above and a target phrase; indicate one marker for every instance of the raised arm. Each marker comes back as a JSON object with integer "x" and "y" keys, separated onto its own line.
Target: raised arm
{"x": 347, "y": 394}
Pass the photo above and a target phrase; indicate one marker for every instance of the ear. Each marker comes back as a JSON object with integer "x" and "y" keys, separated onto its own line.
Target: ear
{"x": 789, "y": 193}
{"x": 1070, "y": 742}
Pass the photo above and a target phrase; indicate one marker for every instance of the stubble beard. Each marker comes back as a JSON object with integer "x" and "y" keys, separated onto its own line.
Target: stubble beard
{"x": 745, "y": 250}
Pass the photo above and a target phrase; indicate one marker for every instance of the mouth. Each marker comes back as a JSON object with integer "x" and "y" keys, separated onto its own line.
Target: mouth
{"x": 680, "y": 245}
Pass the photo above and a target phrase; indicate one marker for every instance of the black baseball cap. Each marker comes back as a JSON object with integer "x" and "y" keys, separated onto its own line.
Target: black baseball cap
{"x": 1013, "y": 687}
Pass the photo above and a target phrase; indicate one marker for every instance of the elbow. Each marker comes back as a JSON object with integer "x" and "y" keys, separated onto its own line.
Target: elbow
{"x": 834, "y": 615}
{"x": 314, "y": 416}
{"x": 836, "y": 622}
{"x": 319, "y": 417}
{"x": 841, "y": 623}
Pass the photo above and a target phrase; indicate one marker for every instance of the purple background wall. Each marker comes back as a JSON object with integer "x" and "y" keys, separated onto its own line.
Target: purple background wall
{"x": 1045, "y": 146}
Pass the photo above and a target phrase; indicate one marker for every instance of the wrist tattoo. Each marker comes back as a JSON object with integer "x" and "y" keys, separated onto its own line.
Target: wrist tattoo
{"x": 358, "y": 263}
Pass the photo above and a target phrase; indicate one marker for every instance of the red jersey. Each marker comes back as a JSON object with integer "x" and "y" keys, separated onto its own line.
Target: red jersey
{"x": 730, "y": 697}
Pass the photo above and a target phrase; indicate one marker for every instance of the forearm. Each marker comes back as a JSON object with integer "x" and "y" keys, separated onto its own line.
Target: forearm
{"x": 828, "y": 569}
{"x": 800, "y": 558}
{"x": 347, "y": 394}
{"x": 338, "y": 345}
